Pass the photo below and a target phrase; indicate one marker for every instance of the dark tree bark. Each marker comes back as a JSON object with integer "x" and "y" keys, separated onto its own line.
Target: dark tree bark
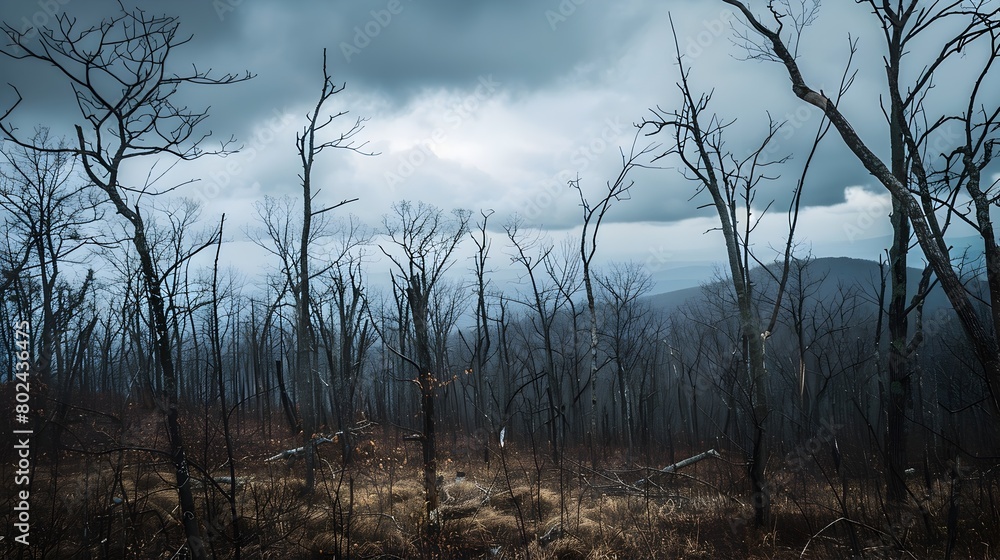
{"x": 899, "y": 363}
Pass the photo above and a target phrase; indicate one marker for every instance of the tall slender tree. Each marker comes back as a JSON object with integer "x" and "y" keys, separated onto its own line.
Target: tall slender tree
{"x": 309, "y": 146}
{"x": 593, "y": 216}
{"x": 732, "y": 182}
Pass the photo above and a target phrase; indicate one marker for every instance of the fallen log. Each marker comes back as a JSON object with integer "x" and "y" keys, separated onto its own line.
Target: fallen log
{"x": 292, "y": 454}
{"x": 681, "y": 464}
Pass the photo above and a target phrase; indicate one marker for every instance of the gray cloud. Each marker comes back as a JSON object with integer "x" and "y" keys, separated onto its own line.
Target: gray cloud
{"x": 565, "y": 69}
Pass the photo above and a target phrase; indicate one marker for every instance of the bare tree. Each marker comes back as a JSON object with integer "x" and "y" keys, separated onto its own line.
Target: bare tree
{"x": 732, "y": 182}
{"x": 593, "y": 215}
{"x": 52, "y": 211}
{"x": 173, "y": 241}
{"x": 123, "y": 85}
{"x": 479, "y": 350}
{"x": 53, "y": 214}
{"x": 216, "y": 343}
{"x": 349, "y": 316}
{"x": 309, "y": 147}
{"x": 425, "y": 240}
{"x": 955, "y": 29}
{"x": 545, "y": 301}
{"x": 628, "y": 316}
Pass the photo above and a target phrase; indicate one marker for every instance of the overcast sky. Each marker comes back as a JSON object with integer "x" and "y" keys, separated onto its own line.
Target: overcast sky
{"x": 494, "y": 105}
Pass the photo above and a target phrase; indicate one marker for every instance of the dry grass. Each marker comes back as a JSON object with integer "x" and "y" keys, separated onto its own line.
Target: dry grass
{"x": 125, "y": 506}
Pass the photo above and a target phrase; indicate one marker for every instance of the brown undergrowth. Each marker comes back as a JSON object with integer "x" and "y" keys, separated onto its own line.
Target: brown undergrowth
{"x": 117, "y": 500}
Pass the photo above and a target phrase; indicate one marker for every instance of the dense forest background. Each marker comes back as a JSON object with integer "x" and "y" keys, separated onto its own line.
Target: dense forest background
{"x": 380, "y": 390}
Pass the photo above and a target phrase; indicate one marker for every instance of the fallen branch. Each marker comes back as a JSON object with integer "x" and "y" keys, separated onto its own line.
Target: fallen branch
{"x": 834, "y": 522}
{"x": 555, "y": 532}
{"x": 291, "y": 454}
{"x": 681, "y": 464}
{"x": 617, "y": 482}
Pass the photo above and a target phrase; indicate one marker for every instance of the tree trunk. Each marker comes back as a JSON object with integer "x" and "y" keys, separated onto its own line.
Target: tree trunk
{"x": 303, "y": 346}
{"x": 760, "y": 412}
{"x": 592, "y": 309}
{"x": 178, "y": 454}
{"x": 418, "y": 305}
{"x": 286, "y": 401}
{"x": 898, "y": 391}
{"x": 626, "y": 413}
{"x": 165, "y": 358}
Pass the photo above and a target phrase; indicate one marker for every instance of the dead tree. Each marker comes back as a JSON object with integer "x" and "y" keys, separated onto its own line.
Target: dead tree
{"x": 216, "y": 343}
{"x": 953, "y": 30}
{"x": 593, "y": 216}
{"x": 732, "y": 182}
{"x": 309, "y": 146}
{"x": 425, "y": 240}
{"x": 629, "y": 318}
{"x": 52, "y": 212}
{"x": 124, "y": 87}
{"x": 53, "y": 215}
{"x": 479, "y": 350}
{"x": 545, "y": 303}
{"x": 349, "y": 333}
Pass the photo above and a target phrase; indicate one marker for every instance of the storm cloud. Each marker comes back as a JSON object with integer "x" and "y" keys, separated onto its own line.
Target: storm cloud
{"x": 496, "y": 105}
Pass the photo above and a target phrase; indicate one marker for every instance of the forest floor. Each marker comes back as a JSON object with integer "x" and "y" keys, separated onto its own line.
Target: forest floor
{"x": 122, "y": 503}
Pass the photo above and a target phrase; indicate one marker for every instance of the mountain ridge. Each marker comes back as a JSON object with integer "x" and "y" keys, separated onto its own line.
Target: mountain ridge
{"x": 828, "y": 274}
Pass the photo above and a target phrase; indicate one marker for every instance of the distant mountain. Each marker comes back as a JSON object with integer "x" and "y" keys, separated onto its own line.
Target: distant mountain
{"x": 971, "y": 246}
{"x": 836, "y": 274}
{"x": 678, "y": 277}
{"x": 670, "y": 301}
